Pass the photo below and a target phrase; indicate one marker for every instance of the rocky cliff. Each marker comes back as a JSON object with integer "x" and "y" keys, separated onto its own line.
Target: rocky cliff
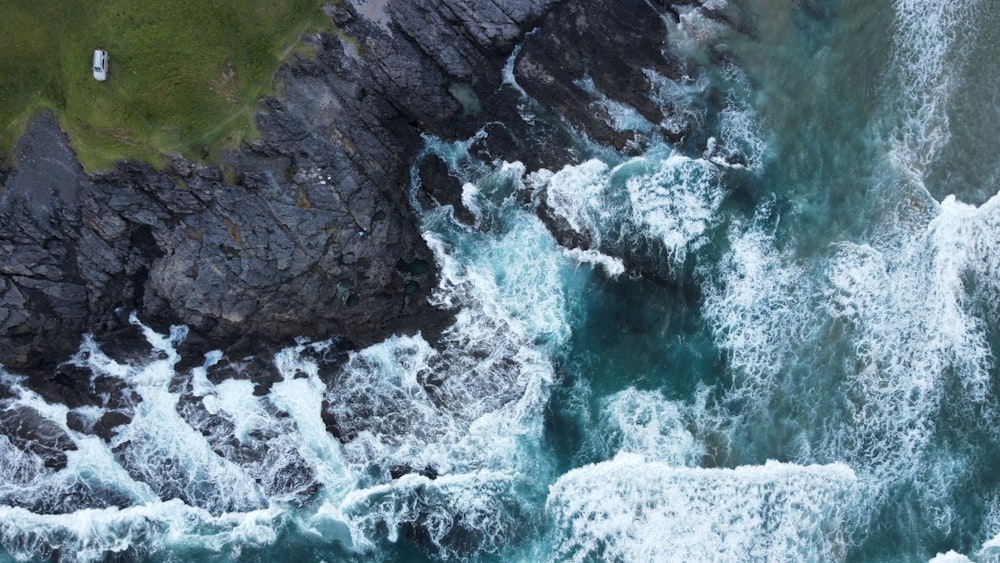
{"x": 309, "y": 232}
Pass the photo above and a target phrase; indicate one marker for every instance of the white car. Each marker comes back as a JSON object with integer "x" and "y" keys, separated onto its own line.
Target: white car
{"x": 100, "y": 65}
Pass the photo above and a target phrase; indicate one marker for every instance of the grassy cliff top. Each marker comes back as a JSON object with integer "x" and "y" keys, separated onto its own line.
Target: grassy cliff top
{"x": 184, "y": 76}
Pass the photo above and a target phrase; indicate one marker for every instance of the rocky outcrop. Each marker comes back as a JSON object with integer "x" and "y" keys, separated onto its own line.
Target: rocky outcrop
{"x": 589, "y": 53}
{"x": 309, "y": 231}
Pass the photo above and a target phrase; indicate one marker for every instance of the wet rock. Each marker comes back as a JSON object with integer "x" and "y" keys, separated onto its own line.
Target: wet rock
{"x": 582, "y": 43}
{"x": 68, "y": 384}
{"x": 462, "y": 534}
{"x": 437, "y": 183}
{"x": 106, "y": 427}
{"x": 125, "y": 345}
{"x": 397, "y": 471}
{"x": 258, "y": 369}
{"x": 560, "y": 228}
{"x": 76, "y": 386}
{"x": 74, "y": 495}
{"x": 341, "y": 432}
{"x": 30, "y": 431}
{"x": 302, "y": 232}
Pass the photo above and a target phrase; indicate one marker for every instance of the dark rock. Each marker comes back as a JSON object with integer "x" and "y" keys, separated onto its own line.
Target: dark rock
{"x": 303, "y": 231}
{"x": 258, "y": 369}
{"x": 68, "y": 384}
{"x": 437, "y": 182}
{"x": 106, "y": 427}
{"x": 74, "y": 495}
{"x": 6, "y": 392}
{"x": 464, "y": 535}
{"x": 75, "y": 386}
{"x": 28, "y": 430}
{"x": 397, "y": 471}
{"x": 343, "y": 434}
{"x": 109, "y": 421}
{"x": 582, "y": 41}
{"x": 192, "y": 351}
{"x": 329, "y": 356}
{"x": 42, "y": 298}
{"x": 125, "y": 345}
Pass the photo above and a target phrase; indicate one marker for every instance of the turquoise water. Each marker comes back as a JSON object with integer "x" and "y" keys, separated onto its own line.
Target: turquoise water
{"x": 789, "y": 355}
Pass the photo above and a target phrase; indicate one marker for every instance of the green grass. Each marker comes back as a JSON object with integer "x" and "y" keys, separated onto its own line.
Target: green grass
{"x": 184, "y": 76}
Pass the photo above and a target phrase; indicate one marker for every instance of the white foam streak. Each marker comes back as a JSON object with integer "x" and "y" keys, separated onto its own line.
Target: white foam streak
{"x": 677, "y": 202}
{"x": 620, "y": 117}
{"x": 303, "y": 400}
{"x": 643, "y": 422}
{"x": 613, "y": 267}
{"x": 900, "y": 329}
{"x": 469, "y": 411}
{"x": 92, "y": 534}
{"x": 926, "y": 52}
{"x": 672, "y": 200}
{"x": 628, "y": 509}
{"x": 757, "y": 313}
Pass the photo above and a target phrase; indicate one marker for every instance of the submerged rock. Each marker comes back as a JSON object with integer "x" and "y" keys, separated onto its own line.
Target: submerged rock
{"x": 31, "y": 432}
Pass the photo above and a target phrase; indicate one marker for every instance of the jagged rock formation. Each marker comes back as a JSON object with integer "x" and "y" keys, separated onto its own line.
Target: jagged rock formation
{"x": 309, "y": 231}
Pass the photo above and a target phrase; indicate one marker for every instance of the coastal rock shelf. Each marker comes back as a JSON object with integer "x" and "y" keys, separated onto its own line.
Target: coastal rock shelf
{"x": 303, "y": 232}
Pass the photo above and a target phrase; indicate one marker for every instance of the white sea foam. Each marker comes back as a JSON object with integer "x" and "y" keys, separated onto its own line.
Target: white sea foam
{"x": 676, "y": 202}
{"x": 629, "y": 509}
{"x": 950, "y": 557}
{"x": 990, "y": 550}
{"x": 613, "y": 267}
{"x": 695, "y": 31}
{"x": 644, "y": 422}
{"x": 672, "y": 200}
{"x": 759, "y": 312}
{"x": 17, "y": 468}
{"x": 469, "y": 412}
{"x": 155, "y": 528}
{"x": 620, "y": 117}
{"x": 899, "y": 329}
{"x": 91, "y": 477}
{"x": 928, "y": 44}
{"x": 177, "y": 462}
{"x": 302, "y": 399}
{"x": 453, "y": 513}
{"x": 681, "y": 100}
{"x": 922, "y": 292}
{"x": 579, "y": 195}
{"x": 714, "y": 4}
{"x": 740, "y": 132}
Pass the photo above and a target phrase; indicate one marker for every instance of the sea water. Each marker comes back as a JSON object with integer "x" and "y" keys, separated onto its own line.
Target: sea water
{"x": 780, "y": 344}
